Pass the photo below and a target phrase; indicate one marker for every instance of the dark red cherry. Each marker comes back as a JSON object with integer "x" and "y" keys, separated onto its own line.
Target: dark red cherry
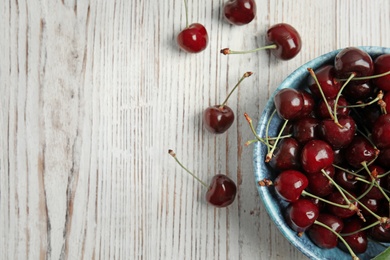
{"x": 323, "y": 112}
{"x": 360, "y": 150}
{"x": 289, "y": 185}
{"x": 322, "y": 236}
{"x": 371, "y": 204}
{"x": 286, "y": 156}
{"x": 352, "y": 60}
{"x": 357, "y": 91}
{"x": 301, "y": 214}
{"x": 381, "y": 132}
{"x": 305, "y": 129}
{"x": 287, "y": 40}
{"x": 338, "y": 137}
{"x": 319, "y": 184}
{"x": 218, "y": 119}
{"x": 308, "y": 104}
{"x": 386, "y": 100}
{"x": 384, "y": 158}
{"x": 222, "y": 191}
{"x": 193, "y": 38}
{"x": 382, "y": 65}
{"x": 380, "y": 233}
{"x": 316, "y": 155}
{"x": 326, "y": 78}
{"x": 240, "y": 12}
{"x": 289, "y": 103}
{"x": 346, "y": 180}
{"x": 341, "y": 212}
{"x": 358, "y": 241}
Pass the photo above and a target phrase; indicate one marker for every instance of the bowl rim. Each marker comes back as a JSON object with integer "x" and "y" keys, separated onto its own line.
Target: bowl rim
{"x": 267, "y": 197}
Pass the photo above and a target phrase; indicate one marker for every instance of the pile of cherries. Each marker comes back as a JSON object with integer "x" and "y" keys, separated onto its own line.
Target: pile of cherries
{"x": 331, "y": 155}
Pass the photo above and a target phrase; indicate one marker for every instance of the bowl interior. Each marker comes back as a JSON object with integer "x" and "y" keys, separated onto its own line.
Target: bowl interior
{"x": 273, "y": 204}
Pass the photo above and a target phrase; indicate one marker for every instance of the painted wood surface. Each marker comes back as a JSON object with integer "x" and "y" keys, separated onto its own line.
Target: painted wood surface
{"x": 94, "y": 93}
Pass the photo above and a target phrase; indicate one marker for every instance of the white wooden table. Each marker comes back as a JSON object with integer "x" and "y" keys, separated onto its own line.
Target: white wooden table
{"x": 94, "y": 93}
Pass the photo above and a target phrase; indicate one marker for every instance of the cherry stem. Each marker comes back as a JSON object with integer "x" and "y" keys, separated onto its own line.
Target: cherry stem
{"x": 305, "y": 193}
{"x": 377, "y": 99}
{"x": 354, "y": 256}
{"x": 374, "y": 176}
{"x": 312, "y": 73}
{"x": 246, "y": 74}
{"x": 369, "y": 77}
{"x": 249, "y": 120}
{"x": 227, "y": 51}
{"x": 267, "y": 129}
{"x": 270, "y": 153}
{"x": 186, "y": 10}
{"x": 338, "y": 96}
{"x": 172, "y": 153}
{"x": 361, "y": 229}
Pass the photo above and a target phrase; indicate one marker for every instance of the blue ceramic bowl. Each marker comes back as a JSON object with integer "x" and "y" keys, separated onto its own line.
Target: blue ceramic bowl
{"x": 273, "y": 204}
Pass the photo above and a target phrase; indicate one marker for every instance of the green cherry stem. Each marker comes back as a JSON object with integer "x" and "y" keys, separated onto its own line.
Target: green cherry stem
{"x": 338, "y": 97}
{"x": 369, "y": 77}
{"x": 227, "y": 51}
{"x": 258, "y": 138}
{"x": 172, "y": 153}
{"x": 246, "y": 75}
{"x": 268, "y": 157}
{"x": 186, "y": 10}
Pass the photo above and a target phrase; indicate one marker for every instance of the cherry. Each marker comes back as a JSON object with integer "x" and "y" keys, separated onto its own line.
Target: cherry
{"x": 359, "y": 151}
{"x": 308, "y": 104}
{"x": 286, "y": 156}
{"x": 338, "y": 137}
{"x": 322, "y": 236}
{"x": 289, "y": 185}
{"x": 357, "y": 240}
{"x": 346, "y": 180}
{"x": 386, "y": 100}
{"x": 371, "y": 204}
{"x": 380, "y": 233}
{"x": 217, "y": 119}
{"x": 194, "y": 37}
{"x": 316, "y": 155}
{"x": 319, "y": 184}
{"x": 327, "y": 79}
{"x": 382, "y": 65}
{"x": 352, "y": 60}
{"x": 305, "y": 129}
{"x": 288, "y": 103}
{"x": 374, "y": 192}
{"x": 284, "y": 42}
{"x": 240, "y": 12}
{"x": 301, "y": 214}
{"x": 381, "y": 132}
{"x": 222, "y": 190}
{"x": 357, "y": 90}
{"x": 336, "y": 197}
{"x": 323, "y": 107}
{"x": 384, "y": 158}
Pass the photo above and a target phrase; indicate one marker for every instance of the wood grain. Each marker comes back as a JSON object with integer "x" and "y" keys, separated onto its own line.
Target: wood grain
{"x": 94, "y": 93}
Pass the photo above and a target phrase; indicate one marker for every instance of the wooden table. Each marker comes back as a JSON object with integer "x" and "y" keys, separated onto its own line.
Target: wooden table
{"x": 94, "y": 93}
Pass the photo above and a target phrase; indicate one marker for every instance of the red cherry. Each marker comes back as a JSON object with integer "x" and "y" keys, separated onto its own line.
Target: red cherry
{"x": 380, "y": 233}
{"x": 305, "y": 129}
{"x": 289, "y": 103}
{"x": 289, "y": 184}
{"x": 340, "y": 212}
{"x": 359, "y": 151}
{"x": 319, "y": 184}
{"x": 301, "y": 214}
{"x": 286, "y": 156}
{"x": 322, "y": 236}
{"x": 217, "y": 119}
{"x": 382, "y": 65}
{"x": 193, "y": 38}
{"x": 358, "y": 241}
{"x": 326, "y": 78}
{"x": 284, "y": 42}
{"x": 322, "y": 108}
{"x": 316, "y": 155}
{"x": 381, "y": 132}
{"x": 287, "y": 40}
{"x": 222, "y": 190}
{"x": 240, "y": 12}
{"x": 338, "y": 137}
{"x": 352, "y": 60}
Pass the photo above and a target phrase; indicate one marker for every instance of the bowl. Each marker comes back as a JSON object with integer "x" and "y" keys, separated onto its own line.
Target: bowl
{"x": 274, "y": 205}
